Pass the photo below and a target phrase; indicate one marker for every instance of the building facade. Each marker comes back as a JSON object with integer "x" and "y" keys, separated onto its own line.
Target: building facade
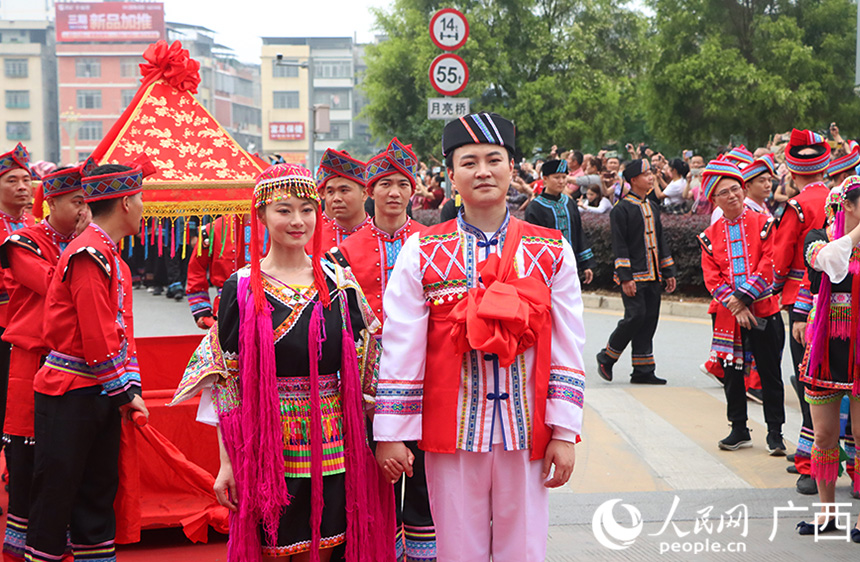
{"x": 228, "y": 88}
{"x": 99, "y": 50}
{"x": 299, "y": 73}
{"x": 28, "y": 83}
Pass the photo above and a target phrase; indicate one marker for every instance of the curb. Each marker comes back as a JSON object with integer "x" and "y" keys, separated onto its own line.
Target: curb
{"x": 670, "y": 308}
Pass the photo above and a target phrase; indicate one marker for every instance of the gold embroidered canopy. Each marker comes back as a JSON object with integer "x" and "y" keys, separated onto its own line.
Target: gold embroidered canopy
{"x": 201, "y": 169}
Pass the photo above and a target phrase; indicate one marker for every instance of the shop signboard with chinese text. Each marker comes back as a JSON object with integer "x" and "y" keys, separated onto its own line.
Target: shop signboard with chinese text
{"x": 109, "y": 21}
{"x": 287, "y": 131}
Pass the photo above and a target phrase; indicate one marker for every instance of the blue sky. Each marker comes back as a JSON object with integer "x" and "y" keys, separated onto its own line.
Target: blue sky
{"x": 240, "y": 24}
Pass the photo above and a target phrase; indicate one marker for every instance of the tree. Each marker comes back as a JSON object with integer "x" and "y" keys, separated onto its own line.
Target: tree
{"x": 562, "y": 70}
{"x": 749, "y": 68}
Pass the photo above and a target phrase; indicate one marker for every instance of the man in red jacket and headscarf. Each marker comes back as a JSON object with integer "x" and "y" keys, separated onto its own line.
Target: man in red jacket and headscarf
{"x": 30, "y": 256}
{"x": 371, "y": 254}
{"x": 807, "y": 156}
{"x": 89, "y": 379}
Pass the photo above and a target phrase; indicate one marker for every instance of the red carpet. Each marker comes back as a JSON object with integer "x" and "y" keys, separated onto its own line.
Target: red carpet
{"x": 171, "y": 545}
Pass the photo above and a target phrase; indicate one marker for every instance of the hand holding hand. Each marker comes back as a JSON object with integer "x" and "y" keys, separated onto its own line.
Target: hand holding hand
{"x": 395, "y": 458}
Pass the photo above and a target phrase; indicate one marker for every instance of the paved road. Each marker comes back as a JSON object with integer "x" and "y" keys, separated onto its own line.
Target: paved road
{"x": 647, "y": 446}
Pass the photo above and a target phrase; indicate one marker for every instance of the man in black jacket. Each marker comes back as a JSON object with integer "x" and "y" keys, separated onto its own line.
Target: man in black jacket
{"x": 642, "y": 261}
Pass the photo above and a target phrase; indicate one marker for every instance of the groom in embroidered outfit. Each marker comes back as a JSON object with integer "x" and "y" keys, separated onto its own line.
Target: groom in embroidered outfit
{"x": 495, "y": 399}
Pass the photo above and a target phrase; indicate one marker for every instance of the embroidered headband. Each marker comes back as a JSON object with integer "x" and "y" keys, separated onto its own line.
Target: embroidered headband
{"x": 396, "y": 158}
{"x": 807, "y": 164}
{"x": 740, "y": 156}
{"x": 283, "y": 181}
{"x": 18, "y": 157}
{"x": 335, "y": 163}
{"x": 717, "y": 170}
{"x": 846, "y": 162}
{"x": 117, "y": 184}
{"x": 849, "y": 184}
{"x": 61, "y": 182}
{"x": 766, "y": 163}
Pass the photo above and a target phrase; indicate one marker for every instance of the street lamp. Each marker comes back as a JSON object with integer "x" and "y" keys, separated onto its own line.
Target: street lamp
{"x": 311, "y": 128}
{"x": 71, "y": 123}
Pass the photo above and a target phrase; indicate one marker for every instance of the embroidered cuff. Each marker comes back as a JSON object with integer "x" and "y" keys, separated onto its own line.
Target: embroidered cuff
{"x": 802, "y": 304}
{"x": 585, "y": 255}
{"x": 752, "y": 290}
{"x": 722, "y": 293}
{"x": 200, "y": 304}
{"x": 812, "y": 251}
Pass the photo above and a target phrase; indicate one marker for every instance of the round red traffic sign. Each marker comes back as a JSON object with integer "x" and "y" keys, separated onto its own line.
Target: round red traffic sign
{"x": 449, "y": 74}
{"x": 449, "y": 29}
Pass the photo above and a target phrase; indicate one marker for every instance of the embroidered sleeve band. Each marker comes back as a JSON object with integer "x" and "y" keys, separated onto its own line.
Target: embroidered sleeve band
{"x": 399, "y": 397}
{"x": 200, "y": 304}
{"x": 567, "y": 385}
{"x": 803, "y": 304}
{"x": 722, "y": 293}
{"x": 753, "y": 289}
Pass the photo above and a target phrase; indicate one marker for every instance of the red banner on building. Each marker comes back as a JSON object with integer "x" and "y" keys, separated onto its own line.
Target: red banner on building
{"x": 109, "y": 21}
{"x": 287, "y": 131}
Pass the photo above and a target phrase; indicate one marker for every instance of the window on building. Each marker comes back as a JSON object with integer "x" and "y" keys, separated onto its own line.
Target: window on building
{"x": 244, "y": 88}
{"x": 82, "y": 156}
{"x": 15, "y": 68}
{"x": 333, "y": 69}
{"x": 286, "y": 100}
{"x": 128, "y": 67}
{"x": 17, "y": 99}
{"x": 335, "y": 99}
{"x": 18, "y": 130}
{"x": 127, "y": 96}
{"x": 88, "y": 67}
{"x": 90, "y": 131}
{"x": 339, "y": 131}
{"x": 89, "y": 99}
{"x": 283, "y": 71}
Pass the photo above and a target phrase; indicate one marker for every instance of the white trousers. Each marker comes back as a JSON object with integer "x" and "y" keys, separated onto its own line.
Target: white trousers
{"x": 488, "y": 504}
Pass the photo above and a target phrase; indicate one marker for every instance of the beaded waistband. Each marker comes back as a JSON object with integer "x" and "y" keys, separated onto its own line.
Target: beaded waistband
{"x": 299, "y": 387}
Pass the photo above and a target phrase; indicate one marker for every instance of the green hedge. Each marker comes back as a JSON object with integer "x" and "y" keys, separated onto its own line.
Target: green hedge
{"x": 679, "y": 231}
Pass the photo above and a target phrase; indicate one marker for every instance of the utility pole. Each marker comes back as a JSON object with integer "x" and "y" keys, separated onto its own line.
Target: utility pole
{"x": 310, "y": 130}
{"x": 857, "y": 55}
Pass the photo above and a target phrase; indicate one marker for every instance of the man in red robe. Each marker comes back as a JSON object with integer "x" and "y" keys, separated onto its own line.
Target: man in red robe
{"x": 16, "y": 193}
{"x": 90, "y": 378}
{"x": 224, "y": 249}
{"x": 807, "y": 156}
{"x": 340, "y": 181}
{"x": 30, "y": 255}
{"x": 371, "y": 254}
{"x": 737, "y": 263}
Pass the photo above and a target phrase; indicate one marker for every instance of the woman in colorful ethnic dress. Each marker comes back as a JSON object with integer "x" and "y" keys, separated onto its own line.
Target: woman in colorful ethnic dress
{"x": 295, "y": 467}
{"x": 831, "y": 367}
